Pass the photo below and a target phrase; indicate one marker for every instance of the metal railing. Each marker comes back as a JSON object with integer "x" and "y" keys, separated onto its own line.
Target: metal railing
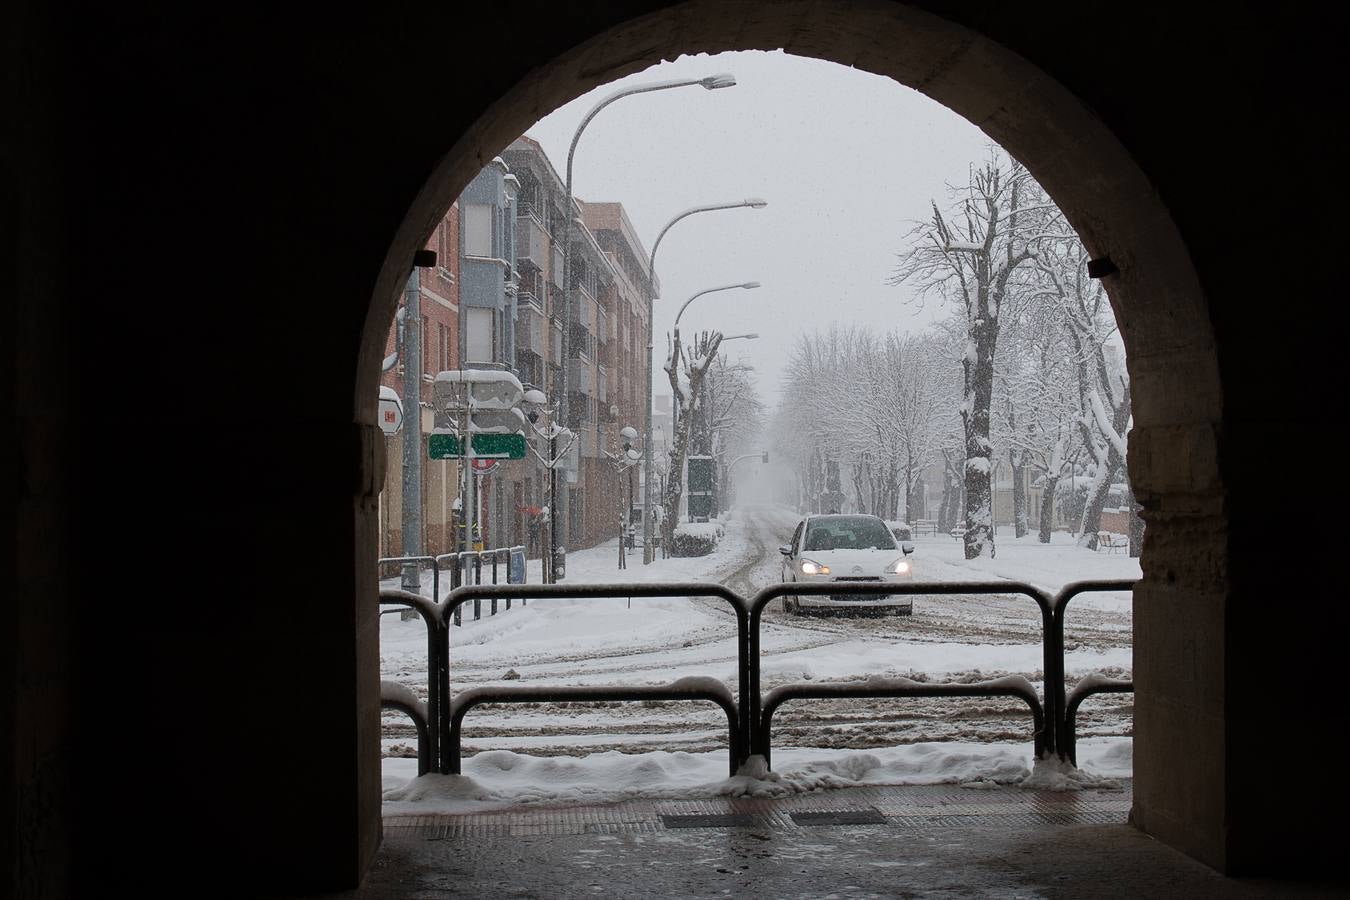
{"x": 750, "y": 712}
{"x": 459, "y": 566}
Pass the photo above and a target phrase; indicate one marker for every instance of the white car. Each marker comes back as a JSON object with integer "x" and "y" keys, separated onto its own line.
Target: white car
{"x": 846, "y": 549}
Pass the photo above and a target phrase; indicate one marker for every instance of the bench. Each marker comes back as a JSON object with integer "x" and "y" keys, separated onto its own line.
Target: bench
{"x": 926, "y": 527}
{"x": 958, "y": 532}
{"x": 1111, "y": 542}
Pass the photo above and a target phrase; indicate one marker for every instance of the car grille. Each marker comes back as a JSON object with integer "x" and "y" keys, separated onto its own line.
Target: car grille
{"x": 857, "y": 579}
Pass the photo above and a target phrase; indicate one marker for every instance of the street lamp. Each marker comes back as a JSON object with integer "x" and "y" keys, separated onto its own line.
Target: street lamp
{"x": 538, "y": 406}
{"x": 746, "y": 285}
{"x": 623, "y": 461}
{"x": 648, "y": 552}
{"x": 710, "y": 82}
{"x": 675, "y": 350}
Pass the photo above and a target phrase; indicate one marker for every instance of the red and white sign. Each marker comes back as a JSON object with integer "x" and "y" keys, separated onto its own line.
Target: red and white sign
{"x": 390, "y": 412}
{"x": 484, "y": 466}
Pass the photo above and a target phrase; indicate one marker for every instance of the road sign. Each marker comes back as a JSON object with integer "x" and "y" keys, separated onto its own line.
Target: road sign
{"x": 390, "y": 411}
{"x": 479, "y": 388}
{"x": 485, "y": 446}
{"x": 483, "y": 466}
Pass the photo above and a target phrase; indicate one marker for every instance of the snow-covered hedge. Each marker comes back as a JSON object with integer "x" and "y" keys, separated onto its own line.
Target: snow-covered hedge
{"x": 696, "y": 538}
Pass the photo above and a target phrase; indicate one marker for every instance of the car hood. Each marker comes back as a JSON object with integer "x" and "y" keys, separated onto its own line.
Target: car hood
{"x": 842, "y": 562}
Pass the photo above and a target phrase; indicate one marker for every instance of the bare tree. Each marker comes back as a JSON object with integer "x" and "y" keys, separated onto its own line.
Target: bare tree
{"x": 1104, "y": 391}
{"x": 686, "y": 389}
{"x": 969, "y": 256}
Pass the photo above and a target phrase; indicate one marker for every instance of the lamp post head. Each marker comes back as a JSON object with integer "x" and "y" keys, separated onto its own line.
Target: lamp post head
{"x": 628, "y": 433}
{"x": 721, "y": 80}
{"x": 756, "y": 203}
{"x": 535, "y": 397}
{"x": 750, "y": 284}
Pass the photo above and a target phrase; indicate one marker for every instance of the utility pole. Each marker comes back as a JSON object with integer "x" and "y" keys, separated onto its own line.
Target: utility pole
{"x": 412, "y": 430}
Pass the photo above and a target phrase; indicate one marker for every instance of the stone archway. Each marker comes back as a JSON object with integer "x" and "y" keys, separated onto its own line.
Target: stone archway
{"x": 1180, "y": 737}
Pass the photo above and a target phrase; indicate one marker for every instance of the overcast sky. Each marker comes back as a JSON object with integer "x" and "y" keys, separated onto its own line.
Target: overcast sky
{"x": 847, "y": 161}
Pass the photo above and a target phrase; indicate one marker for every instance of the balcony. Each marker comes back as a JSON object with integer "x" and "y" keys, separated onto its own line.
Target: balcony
{"x": 555, "y": 268}
{"x": 581, "y": 311}
{"x": 580, "y": 377}
{"x": 583, "y": 342}
{"x": 532, "y": 244}
{"x": 528, "y": 298}
{"x": 530, "y": 329}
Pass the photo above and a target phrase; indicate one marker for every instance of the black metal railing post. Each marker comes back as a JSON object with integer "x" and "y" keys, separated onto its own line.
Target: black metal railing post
{"x": 1045, "y": 742}
{"x": 696, "y": 688}
{"x": 1065, "y": 733}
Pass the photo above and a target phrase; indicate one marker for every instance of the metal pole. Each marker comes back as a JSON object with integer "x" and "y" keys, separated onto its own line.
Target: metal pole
{"x": 412, "y": 431}
{"x": 711, "y": 82}
{"x": 550, "y": 576}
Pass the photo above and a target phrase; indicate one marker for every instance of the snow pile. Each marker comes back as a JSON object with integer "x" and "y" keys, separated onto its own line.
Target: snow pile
{"x": 1054, "y": 774}
{"x": 457, "y": 789}
{"x": 500, "y": 778}
{"x": 917, "y": 764}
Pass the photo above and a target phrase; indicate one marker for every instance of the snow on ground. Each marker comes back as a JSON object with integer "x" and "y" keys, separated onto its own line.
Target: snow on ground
{"x": 645, "y": 641}
{"x": 1046, "y": 566}
{"x": 499, "y": 778}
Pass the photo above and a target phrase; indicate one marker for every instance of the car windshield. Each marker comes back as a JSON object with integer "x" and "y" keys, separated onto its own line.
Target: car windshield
{"x": 848, "y": 533}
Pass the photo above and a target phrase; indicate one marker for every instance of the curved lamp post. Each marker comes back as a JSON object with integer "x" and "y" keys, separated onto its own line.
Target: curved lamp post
{"x": 711, "y": 82}
{"x": 648, "y": 552}
{"x": 744, "y": 285}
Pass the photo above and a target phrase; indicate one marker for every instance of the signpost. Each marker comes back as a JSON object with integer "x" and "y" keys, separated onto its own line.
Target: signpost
{"x": 390, "y": 411}
{"x": 476, "y": 419}
{"x": 442, "y": 445}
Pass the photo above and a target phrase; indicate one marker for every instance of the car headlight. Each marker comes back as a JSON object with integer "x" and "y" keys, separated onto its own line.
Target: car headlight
{"x": 900, "y": 567}
{"x": 810, "y": 567}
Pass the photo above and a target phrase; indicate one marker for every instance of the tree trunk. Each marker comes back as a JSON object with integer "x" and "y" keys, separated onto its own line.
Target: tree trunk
{"x": 1019, "y": 495}
{"x": 979, "y": 389}
{"x": 1136, "y": 526}
{"x": 675, "y": 483}
{"x": 1047, "y": 508}
{"x": 859, "y": 479}
{"x": 1096, "y": 501}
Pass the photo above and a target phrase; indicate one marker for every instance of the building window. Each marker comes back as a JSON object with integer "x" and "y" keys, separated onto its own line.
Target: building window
{"x": 478, "y": 341}
{"x": 478, "y": 229}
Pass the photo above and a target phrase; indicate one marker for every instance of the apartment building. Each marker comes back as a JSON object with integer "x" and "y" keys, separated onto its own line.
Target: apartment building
{"x": 438, "y": 289}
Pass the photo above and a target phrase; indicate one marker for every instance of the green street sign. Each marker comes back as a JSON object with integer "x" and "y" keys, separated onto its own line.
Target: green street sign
{"x": 485, "y": 446}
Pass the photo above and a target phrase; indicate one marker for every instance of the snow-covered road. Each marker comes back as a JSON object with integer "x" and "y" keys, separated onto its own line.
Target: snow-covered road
{"x": 954, "y": 637}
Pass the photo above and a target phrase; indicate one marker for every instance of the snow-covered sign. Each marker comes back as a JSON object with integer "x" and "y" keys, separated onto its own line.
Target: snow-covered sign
{"x": 390, "y": 411}
{"x": 487, "y": 389}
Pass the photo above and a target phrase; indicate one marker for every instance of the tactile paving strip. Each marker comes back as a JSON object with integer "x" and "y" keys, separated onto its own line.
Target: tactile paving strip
{"x": 722, "y": 820}
{"x": 926, "y": 807}
{"x": 841, "y": 817}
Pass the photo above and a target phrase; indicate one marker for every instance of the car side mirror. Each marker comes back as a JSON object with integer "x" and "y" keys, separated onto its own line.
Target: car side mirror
{"x": 907, "y": 547}
{"x": 786, "y": 550}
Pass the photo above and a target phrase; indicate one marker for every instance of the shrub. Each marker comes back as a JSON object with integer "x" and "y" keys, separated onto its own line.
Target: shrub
{"x": 695, "y": 539}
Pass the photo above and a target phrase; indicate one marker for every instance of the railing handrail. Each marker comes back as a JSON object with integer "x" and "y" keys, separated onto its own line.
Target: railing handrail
{"x": 753, "y": 709}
